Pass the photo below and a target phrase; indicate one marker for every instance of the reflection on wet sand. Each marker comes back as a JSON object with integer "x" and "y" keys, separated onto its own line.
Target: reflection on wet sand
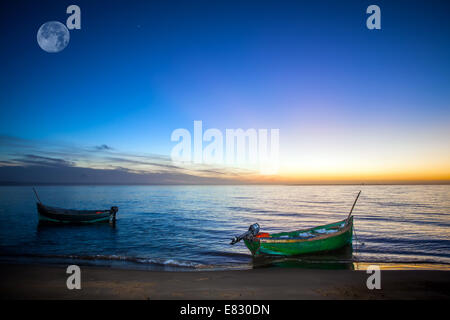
{"x": 334, "y": 260}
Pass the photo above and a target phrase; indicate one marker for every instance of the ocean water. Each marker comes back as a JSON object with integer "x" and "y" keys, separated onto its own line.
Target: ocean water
{"x": 190, "y": 227}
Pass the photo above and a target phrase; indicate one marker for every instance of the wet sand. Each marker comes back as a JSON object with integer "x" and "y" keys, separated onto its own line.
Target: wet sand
{"x": 49, "y": 282}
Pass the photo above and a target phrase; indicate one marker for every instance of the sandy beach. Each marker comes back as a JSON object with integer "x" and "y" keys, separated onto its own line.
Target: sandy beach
{"x": 49, "y": 282}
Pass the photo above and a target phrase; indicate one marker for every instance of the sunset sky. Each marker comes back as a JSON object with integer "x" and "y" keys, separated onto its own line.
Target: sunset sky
{"x": 352, "y": 105}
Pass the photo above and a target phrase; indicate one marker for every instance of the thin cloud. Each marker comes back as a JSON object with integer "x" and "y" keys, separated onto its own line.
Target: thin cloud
{"x": 32, "y": 159}
{"x": 103, "y": 147}
{"x": 24, "y": 161}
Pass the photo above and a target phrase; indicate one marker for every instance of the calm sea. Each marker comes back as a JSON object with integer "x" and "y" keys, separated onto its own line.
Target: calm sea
{"x": 189, "y": 227}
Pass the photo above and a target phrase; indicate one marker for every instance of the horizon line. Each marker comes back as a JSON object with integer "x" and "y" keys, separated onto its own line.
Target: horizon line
{"x": 234, "y": 183}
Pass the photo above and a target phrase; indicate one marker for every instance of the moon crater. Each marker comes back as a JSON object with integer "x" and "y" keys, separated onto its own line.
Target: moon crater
{"x": 53, "y": 36}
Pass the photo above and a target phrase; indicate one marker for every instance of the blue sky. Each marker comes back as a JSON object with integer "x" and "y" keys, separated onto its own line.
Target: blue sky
{"x": 137, "y": 70}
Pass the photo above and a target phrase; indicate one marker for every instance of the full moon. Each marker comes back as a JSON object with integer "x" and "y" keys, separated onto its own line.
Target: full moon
{"x": 53, "y": 36}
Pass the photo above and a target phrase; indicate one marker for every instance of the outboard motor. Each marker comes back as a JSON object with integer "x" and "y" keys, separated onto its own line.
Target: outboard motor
{"x": 252, "y": 231}
{"x": 114, "y": 210}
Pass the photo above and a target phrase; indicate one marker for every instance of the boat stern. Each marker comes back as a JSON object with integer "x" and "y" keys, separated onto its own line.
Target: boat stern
{"x": 253, "y": 245}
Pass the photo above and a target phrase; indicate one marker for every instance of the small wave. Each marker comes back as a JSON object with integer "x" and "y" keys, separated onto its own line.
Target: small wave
{"x": 98, "y": 257}
{"x": 228, "y": 254}
{"x": 316, "y": 202}
{"x": 399, "y": 260}
{"x": 400, "y": 204}
{"x": 264, "y": 211}
{"x": 246, "y": 209}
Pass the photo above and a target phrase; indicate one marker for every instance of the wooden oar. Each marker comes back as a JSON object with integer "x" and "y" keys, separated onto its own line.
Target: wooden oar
{"x": 348, "y": 218}
{"x": 37, "y": 195}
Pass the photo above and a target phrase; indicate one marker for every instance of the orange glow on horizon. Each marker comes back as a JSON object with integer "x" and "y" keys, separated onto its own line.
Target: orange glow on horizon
{"x": 431, "y": 175}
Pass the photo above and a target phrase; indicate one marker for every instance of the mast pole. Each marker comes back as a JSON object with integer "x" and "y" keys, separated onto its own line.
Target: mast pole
{"x": 37, "y": 197}
{"x": 348, "y": 218}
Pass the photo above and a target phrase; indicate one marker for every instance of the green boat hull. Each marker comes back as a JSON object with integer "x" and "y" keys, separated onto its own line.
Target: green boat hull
{"x": 292, "y": 243}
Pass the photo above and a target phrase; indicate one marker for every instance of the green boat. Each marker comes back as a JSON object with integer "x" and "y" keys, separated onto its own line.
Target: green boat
{"x": 318, "y": 239}
{"x": 323, "y": 238}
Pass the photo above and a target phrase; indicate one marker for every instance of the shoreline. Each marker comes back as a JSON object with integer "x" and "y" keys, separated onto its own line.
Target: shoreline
{"x": 48, "y": 282}
{"x": 172, "y": 266}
